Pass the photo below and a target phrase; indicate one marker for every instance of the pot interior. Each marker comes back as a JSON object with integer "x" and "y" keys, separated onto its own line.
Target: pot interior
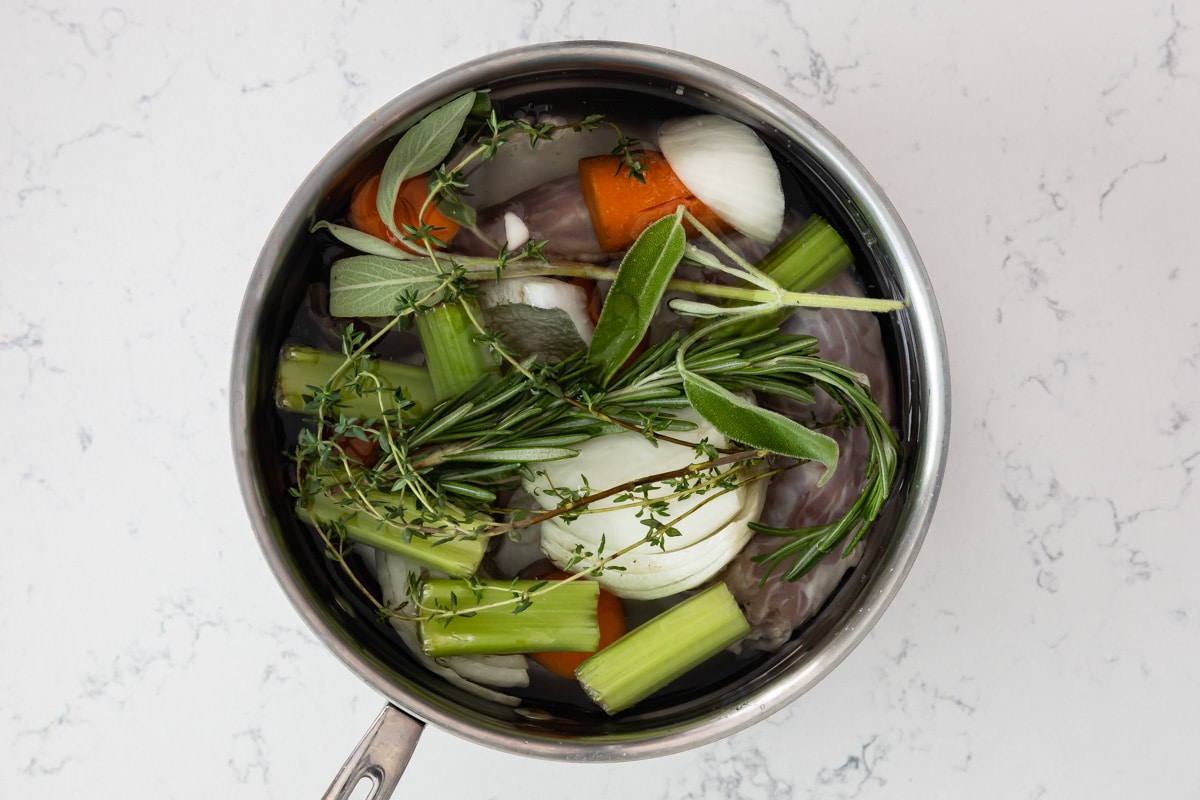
{"x": 600, "y": 77}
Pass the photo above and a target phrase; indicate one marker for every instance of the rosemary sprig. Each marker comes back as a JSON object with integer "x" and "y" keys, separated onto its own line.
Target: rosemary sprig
{"x": 804, "y": 547}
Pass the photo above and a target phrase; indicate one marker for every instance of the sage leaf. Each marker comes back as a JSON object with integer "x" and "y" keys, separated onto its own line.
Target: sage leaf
{"x": 364, "y": 242}
{"x": 372, "y": 286}
{"x": 420, "y": 149}
{"x": 635, "y": 294}
{"x": 757, "y": 427}
{"x": 455, "y": 209}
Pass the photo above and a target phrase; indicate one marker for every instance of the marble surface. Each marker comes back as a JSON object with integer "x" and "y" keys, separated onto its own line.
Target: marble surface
{"x": 1043, "y": 155}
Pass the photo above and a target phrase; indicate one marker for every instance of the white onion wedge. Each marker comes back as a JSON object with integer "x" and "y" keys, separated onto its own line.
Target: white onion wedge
{"x": 538, "y": 292}
{"x": 709, "y": 538}
{"x": 729, "y": 169}
{"x": 650, "y": 573}
{"x": 474, "y": 674}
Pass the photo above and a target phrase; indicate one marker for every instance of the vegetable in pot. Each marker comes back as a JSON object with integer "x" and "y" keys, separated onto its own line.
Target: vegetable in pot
{"x": 449, "y": 551}
{"x": 494, "y": 617}
{"x": 703, "y": 523}
{"x": 621, "y": 207}
{"x": 610, "y": 618}
{"x": 482, "y": 675}
{"x": 729, "y": 169}
{"x": 412, "y": 215}
{"x": 366, "y": 391}
{"x": 654, "y": 654}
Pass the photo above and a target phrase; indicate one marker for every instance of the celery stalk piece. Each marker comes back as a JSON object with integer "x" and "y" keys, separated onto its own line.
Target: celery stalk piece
{"x": 562, "y": 619}
{"x": 656, "y": 653}
{"x": 458, "y": 556}
{"x": 456, "y": 361}
{"x": 809, "y": 257}
{"x": 806, "y": 260}
{"x": 301, "y": 368}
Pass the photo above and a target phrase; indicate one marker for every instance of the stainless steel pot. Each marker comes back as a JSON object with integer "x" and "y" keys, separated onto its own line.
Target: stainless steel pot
{"x": 842, "y": 190}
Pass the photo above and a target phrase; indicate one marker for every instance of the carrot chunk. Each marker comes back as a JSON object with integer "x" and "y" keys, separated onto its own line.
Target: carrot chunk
{"x": 621, "y": 206}
{"x": 364, "y": 214}
{"x": 610, "y": 615}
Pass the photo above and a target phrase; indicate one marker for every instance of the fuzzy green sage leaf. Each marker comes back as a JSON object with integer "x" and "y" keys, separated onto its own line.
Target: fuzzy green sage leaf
{"x": 758, "y": 427}
{"x": 635, "y": 294}
{"x": 454, "y": 208}
{"x": 420, "y": 149}
{"x": 364, "y": 242}
{"x": 372, "y": 286}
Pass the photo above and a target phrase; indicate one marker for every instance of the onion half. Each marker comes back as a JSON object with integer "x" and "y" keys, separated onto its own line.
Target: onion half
{"x": 730, "y": 169}
{"x": 708, "y": 539}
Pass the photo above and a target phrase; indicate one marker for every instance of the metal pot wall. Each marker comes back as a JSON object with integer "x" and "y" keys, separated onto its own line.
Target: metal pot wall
{"x": 841, "y": 190}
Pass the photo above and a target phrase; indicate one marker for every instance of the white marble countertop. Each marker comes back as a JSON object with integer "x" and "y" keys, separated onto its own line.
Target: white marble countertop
{"x": 1044, "y": 158}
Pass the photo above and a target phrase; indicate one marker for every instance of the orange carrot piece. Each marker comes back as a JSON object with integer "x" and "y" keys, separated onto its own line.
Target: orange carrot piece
{"x": 364, "y": 214}
{"x": 610, "y": 615}
{"x": 622, "y": 207}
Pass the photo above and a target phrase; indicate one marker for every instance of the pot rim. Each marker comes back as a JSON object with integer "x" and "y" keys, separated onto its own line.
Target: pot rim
{"x": 768, "y": 109}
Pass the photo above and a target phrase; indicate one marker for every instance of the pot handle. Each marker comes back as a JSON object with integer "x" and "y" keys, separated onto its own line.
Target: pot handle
{"x": 380, "y": 757}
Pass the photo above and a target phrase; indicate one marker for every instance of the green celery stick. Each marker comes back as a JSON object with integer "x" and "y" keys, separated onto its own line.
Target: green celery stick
{"x": 806, "y": 260}
{"x": 656, "y": 653}
{"x": 561, "y": 618}
{"x": 301, "y": 368}
{"x": 458, "y": 556}
{"x": 456, "y": 361}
